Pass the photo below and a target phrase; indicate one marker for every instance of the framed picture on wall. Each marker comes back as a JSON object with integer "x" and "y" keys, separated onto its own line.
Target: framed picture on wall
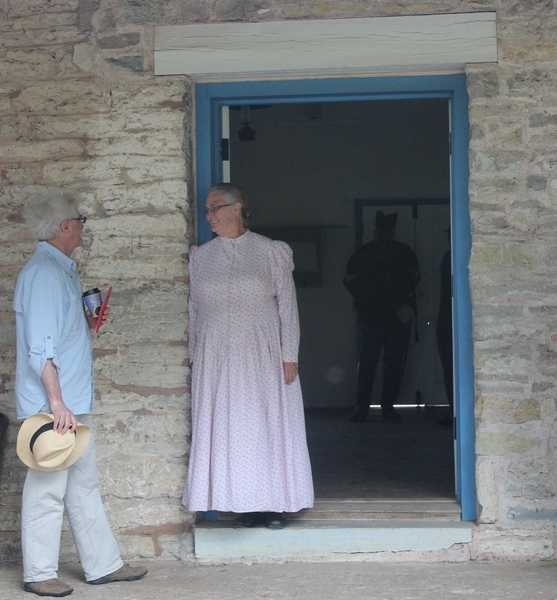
{"x": 305, "y": 242}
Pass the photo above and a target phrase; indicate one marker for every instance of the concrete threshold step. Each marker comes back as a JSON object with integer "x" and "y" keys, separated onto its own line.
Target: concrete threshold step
{"x": 217, "y": 541}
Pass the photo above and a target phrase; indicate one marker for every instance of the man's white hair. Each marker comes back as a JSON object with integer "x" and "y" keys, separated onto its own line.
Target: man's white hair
{"x": 44, "y": 213}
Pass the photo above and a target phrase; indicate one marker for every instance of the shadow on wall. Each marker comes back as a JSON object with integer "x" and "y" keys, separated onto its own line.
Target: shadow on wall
{"x": 4, "y": 423}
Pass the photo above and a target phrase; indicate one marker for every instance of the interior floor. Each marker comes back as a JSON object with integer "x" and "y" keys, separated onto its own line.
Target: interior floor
{"x": 409, "y": 459}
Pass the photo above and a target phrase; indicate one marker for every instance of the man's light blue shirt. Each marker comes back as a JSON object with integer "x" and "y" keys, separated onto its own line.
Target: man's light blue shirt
{"x": 51, "y": 323}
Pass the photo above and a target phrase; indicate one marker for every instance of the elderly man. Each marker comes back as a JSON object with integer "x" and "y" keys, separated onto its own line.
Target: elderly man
{"x": 382, "y": 277}
{"x": 55, "y": 376}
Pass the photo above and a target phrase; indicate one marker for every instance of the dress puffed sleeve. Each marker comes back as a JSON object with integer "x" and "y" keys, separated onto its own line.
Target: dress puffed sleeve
{"x": 192, "y": 302}
{"x": 282, "y": 266}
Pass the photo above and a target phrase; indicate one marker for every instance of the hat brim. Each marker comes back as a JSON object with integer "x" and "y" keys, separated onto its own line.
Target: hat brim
{"x": 28, "y": 429}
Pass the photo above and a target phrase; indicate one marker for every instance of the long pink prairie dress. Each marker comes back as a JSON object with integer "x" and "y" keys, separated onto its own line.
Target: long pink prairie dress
{"x": 249, "y": 450}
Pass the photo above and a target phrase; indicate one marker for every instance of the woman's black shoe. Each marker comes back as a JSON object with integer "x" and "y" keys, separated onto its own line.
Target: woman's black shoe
{"x": 275, "y": 520}
{"x": 247, "y": 520}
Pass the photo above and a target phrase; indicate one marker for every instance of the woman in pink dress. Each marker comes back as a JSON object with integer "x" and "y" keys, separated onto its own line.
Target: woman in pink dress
{"x": 249, "y": 452}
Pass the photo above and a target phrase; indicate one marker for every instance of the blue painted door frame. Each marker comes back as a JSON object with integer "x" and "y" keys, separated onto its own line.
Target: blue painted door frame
{"x": 209, "y": 98}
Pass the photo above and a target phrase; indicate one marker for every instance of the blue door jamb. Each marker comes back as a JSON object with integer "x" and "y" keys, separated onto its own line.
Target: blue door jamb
{"x": 209, "y": 97}
{"x": 462, "y": 303}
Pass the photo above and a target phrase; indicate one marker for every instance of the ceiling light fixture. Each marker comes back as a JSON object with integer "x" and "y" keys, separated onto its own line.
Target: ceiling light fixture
{"x": 246, "y": 133}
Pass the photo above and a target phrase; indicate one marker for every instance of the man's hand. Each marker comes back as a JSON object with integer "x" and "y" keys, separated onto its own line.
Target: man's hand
{"x": 290, "y": 371}
{"x": 92, "y": 321}
{"x": 64, "y": 419}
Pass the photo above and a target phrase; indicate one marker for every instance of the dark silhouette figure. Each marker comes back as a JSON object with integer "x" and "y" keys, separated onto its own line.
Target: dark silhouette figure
{"x": 382, "y": 277}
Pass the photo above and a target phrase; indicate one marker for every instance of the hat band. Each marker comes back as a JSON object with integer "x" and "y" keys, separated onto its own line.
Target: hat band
{"x": 43, "y": 429}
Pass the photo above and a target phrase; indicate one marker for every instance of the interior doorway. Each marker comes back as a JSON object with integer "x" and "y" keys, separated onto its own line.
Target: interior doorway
{"x": 300, "y": 165}
{"x": 317, "y": 94}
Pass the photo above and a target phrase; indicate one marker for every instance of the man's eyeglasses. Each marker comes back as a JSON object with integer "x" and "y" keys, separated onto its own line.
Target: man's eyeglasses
{"x": 80, "y": 218}
{"x": 213, "y": 209}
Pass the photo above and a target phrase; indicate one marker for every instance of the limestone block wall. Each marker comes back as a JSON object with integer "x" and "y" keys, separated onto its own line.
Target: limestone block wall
{"x": 80, "y": 107}
{"x": 513, "y": 202}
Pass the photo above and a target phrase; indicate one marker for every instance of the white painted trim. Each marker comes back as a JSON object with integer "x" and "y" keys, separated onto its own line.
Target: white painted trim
{"x": 225, "y": 135}
{"x": 351, "y": 46}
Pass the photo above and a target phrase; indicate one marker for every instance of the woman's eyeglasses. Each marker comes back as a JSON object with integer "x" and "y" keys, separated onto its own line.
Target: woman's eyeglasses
{"x": 213, "y": 209}
{"x": 80, "y": 218}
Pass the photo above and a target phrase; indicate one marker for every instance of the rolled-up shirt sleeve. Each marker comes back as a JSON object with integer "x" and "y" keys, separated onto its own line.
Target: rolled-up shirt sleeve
{"x": 43, "y": 307}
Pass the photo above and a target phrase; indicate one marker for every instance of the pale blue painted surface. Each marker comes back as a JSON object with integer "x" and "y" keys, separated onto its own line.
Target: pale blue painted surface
{"x": 327, "y": 540}
{"x": 211, "y": 96}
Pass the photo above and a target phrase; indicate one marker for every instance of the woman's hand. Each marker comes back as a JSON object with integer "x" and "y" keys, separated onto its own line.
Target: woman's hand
{"x": 290, "y": 371}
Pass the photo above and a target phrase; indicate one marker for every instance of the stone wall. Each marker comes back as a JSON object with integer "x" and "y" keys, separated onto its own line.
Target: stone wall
{"x": 80, "y": 107}
{"x": 513, "y": 201}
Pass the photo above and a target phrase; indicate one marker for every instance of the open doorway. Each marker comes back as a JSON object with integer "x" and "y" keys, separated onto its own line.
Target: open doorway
{"x": 315, "y": 175}
{"x": 211, "y": 98}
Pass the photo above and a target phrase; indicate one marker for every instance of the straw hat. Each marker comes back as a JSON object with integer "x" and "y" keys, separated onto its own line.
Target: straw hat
{"x": 41, "y": 448}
